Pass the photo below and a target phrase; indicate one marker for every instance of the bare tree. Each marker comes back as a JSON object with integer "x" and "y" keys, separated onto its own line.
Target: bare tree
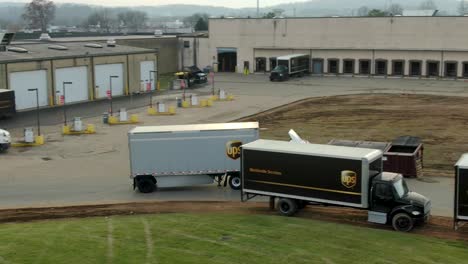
{"x": 395, "y": 9}
{"x": 363, "y": 11}
{"x": 103, "y": 20}
{"x": 39, "y": 14}
{"x": 133, "y": 20}
{"x": 462, "y": 8}
{"x": 428, "y": 5}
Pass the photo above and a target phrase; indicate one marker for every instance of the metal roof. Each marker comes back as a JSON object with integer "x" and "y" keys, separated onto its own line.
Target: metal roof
{"x": 42, "y": 52}
{"x": 287, "y": 57}
{"x": 383, "y": 146}
{"x": 463, "y": 161}
{"x": 194, "y": 127}
{"x": 314, "y": 149}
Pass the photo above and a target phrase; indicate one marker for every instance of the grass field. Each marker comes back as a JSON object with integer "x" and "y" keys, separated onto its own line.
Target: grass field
{"x": 440, "y": 121}
{"x": 216, "y": 238}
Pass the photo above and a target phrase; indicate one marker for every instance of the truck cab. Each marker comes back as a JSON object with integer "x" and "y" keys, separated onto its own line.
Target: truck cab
{"x": 279, "y": 73}
{"x": 391, "y": 202}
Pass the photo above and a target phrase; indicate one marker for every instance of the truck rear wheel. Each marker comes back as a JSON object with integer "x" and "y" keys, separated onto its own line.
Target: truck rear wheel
{"x": 145, "y": 185}
{"x": 235, "y": 182}
{"x": 287, "y": 207}
{"x": 402, "y": 222}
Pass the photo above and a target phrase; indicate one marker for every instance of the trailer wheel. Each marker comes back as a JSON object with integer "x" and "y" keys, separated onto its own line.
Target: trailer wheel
{"x": 146, "y": 185}
{"x": 402, "y": 222}
{"x": 235, "y": 182}
{"x": 287, "y": 207}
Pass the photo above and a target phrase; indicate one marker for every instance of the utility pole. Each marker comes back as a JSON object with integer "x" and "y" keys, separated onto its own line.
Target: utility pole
{"x": 258, "y": 8}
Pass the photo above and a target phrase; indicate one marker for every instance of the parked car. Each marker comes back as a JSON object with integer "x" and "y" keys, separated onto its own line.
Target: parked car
{"x": 5, "y": 140}
{"x": 193, "y": 75}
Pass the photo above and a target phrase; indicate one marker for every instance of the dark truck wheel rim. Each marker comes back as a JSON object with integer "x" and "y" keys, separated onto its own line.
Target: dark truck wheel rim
{"x": 285, "y": 207}
{"x": 403, "y": 223}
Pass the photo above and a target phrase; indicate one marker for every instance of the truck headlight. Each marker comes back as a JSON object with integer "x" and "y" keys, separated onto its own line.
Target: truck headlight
{"x": 281, "y": 74}
{"x": 416, "y": 213}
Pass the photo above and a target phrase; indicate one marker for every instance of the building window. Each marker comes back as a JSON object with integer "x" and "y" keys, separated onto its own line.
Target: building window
{"x": 398, "y": 68}
{"x": 381, "y": 67}
{"x": 364, "y": 66}
{"x": 432, "y": 68}
{"x": 186, "y": 44}
{"x": 333, "y": 65}
{"x": 348, "y": 66}
{"x": 450, "y": 69}
{"x": 415, "y": 68}
{"x": 465, "y": 69}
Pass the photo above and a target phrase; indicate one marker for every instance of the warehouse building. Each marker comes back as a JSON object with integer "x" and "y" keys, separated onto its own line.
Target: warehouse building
{"x": 93, "y": 69}
{"x": 418, "y": 47}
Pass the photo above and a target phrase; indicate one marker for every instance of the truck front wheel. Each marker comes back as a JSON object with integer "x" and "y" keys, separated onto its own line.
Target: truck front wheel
{"x": 145, "y": 185}
{"x": 402, "y": 222}
{"x": 287, "y": 207}
{"x": 235, "y": 182}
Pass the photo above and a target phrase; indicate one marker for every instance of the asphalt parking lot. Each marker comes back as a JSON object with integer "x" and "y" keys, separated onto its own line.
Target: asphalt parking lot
{"x": 94, "y": 169}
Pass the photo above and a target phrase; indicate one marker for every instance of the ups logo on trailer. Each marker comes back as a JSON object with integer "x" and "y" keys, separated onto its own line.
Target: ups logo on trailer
{"x": 233, "y": 150}
{"x": 348, "y": 178}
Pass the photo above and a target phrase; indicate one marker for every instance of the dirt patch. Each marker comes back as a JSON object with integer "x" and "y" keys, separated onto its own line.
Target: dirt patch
{"x": 441, "y": 122}
{"x": 440, "y": 227}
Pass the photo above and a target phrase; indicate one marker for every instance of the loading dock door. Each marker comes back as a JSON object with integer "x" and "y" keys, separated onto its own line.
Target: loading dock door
{"x": 102, "y": 79}
{"x": 20, "y": 82}
{"x": 146, "y": 76}
{"x": 227, "y": 59}
{"x": 317, "y": 66}
{"x": 78, "y": 90}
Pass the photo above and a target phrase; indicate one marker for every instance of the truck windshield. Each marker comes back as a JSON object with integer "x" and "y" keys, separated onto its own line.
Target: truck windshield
{"x": 401, "y": 187}
{"x": 375, "y": 167}
{"x": 280, "y": 68}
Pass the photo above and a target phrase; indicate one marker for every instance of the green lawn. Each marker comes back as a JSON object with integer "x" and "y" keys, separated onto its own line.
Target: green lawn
{"x": 216, "y": 238}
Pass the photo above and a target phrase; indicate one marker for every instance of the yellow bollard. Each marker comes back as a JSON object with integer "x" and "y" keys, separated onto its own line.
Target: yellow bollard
{"x": 39, "y": 140}
{"x": 172, "y": 110}
{"x": 66, "y": 130}
{"x": 209, "y": 102}
{"x": 214, "y": 98}
{"x": 158, "y": 86}
{"x": 152, "y": 111}
{"x": 113, "y": 120}
{"x": 134, "y": 118}
{"x": 230, "y": 97}
{"x": 185, "y": 104}
{"x": 203, "y": 103}
{"x": 90, "y": 129}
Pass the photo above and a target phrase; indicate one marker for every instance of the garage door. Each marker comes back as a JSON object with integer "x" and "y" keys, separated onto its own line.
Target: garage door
{"x": 78, "y": 90}
{"x": 20, "y": 82}
{"x": 102, "y": 79}
{"x": 147, "y": 77}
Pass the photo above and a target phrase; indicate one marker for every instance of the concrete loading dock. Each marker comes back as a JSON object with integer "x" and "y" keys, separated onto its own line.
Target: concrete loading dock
{"x": 87, "y": 66}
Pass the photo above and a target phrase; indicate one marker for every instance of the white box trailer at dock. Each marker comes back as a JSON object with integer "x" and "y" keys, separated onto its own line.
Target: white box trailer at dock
{"x": 185, "y": 155}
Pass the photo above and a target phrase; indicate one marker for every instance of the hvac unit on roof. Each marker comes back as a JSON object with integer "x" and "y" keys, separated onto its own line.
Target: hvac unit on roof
{"x": 44, "y": 37}
{"x": 111, "y": 43}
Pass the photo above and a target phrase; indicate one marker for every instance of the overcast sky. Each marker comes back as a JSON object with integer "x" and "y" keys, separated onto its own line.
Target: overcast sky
{"x": 226, "y": 3}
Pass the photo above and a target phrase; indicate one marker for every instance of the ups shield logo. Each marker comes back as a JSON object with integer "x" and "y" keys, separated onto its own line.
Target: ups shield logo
{"x": 348, "y": 179}
{"x": 233, "y": 149}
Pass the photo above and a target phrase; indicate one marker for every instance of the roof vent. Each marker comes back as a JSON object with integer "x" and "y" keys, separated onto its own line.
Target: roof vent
{"x": 44, "y": 37}
{"x": 17, "y": 50}
{"x": 111, "y": 43}
{"x": 57, "y": 47}
{"x": 93, "y": 45}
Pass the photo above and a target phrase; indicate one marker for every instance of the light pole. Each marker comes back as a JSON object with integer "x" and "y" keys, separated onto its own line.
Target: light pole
{"x": 64, "y": 103}
{"x": 110, "y": 90}
{"x": 37, "y": 109}
{"x": 151, "y": 91}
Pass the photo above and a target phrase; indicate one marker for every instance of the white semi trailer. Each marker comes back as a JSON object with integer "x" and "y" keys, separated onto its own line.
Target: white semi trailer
{"x": 185, "y": 155}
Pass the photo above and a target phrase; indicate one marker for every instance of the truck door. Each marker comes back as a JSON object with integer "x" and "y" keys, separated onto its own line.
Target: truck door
{"x": 382, "y": 198}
